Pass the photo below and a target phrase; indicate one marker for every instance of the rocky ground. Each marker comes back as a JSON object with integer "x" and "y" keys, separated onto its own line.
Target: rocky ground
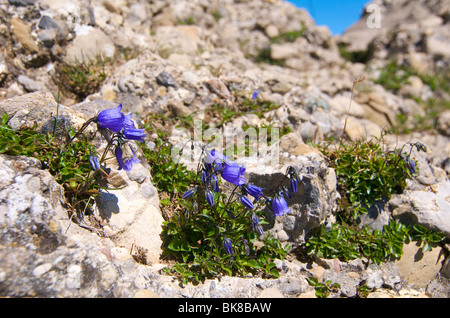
{"x": 183, "y": 59}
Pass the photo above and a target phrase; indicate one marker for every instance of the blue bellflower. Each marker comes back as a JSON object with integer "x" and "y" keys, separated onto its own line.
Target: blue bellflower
{"x": 116, "y": 121}
{"x": 255, "y": 224}
{"x": 209, "y": 196}
{"x": 128, "y": 163}
{"x": 195, "y": 207}
{"x": 95, "y": 164}
{"x": 294, "y": 185}
{"x": 204, "y": 176}
{"x": 253, "y": 190}
{"x": 233, "y": 173}
{"x": 293, "y": 176}
{"x": 255, "y": 94}
{"x": 228, "y": 246}
{"x": 214, "y": 183}
{"x": 246, "y": 202}
{"x": 112, "y": 119}
{"x": 410, "y": 164}
{"x": 134, "y": 134}
{"x": 128, "y": 122}
{"x": 215, "y": 159}
{"x": 279, "y": 206}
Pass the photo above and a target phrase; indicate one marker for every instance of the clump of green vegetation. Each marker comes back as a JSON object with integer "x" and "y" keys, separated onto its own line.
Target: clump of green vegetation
{"x": 264, "y": 55}
{"x": 73, "y": 160}
{"x": 197, "y": 239}
{"x": 80, "y": 79}
{"x": 323, "y": 290}
{"x": 256, "y": 106}
{"x": 354, "y": 57}
{"x": 188, "y": 21}
{"x": 366, "y": 173}
{"x": 170, "y": 178}
{"x": 84, "y": 78}
{"x": 225, "y": 114}
{"x": 289, "y": 36}
{"x": 346, "y": 242}
{"x": 217, "y": 15}
{"x": 394, "y": 76}
{"x": 68, "y": 163}
{"x": 208, "y": 239}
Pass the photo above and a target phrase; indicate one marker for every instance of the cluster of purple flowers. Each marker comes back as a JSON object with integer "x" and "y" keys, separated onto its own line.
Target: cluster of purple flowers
{"x": 123, "y": 129}
{"x": 216, "y": 164}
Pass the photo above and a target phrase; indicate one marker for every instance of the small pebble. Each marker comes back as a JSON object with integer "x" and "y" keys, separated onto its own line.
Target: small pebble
{"x": 166, "y": 80}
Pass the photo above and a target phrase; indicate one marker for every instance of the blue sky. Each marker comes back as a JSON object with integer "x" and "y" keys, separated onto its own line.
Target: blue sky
{"x": 337, "y": 15}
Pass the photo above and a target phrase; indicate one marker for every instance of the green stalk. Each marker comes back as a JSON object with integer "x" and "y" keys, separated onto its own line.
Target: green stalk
{"x": 57, "y": 109}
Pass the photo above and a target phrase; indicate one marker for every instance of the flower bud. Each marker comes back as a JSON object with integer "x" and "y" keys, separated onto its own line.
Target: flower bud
{"x": 209, "y": 196}
{"x": 246, "y": 202}
{"x": 228, "y": 246}
{"x": 189, "y": 193}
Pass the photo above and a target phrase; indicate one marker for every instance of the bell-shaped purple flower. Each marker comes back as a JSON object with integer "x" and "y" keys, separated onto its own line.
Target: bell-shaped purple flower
{"x": 410, "y": 164}
{"x": 279, "y": 206}
{"x": 204, "y": 176}
{"x": 118, "y": 153}
{"x": 228, "y": 246}
{"x": 95, "y": 164}
{"x": 255, "y": 94}
{"x": 214, "y": 183}
{"x": 111, "y": 118}
{"x": 134, "y": 133}
{"x": 246, "y": 202}
{"x": 254, "y": 191}
{"x": 233, "y": 173}
{"x": 255, "y": 224}
{"x": 127, "y": 122}
{"x": 128, "y": 164}
{"x": 294, "y": 185}
{"x": 209, "y": 196}
{"x": 215, "y": 159}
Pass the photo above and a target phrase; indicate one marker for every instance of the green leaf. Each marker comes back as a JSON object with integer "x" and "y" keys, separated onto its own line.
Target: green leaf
{"x": 227, "y": 269}
{"x": 175, "y": 244}
{"x": 185, "y": 246}
{"x": 274, "y": 272}
{"x": 426, "y": 247}
{"x": 165, "y": 202}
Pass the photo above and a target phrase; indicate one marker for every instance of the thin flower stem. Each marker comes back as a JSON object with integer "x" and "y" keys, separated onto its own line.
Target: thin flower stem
{"x": 85, "y": 125}
{"x": 108, "y": 146}
{"x": 355, "y": 82}
{"x": 231, "y": 195}
{"x": 57, "y": 109}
